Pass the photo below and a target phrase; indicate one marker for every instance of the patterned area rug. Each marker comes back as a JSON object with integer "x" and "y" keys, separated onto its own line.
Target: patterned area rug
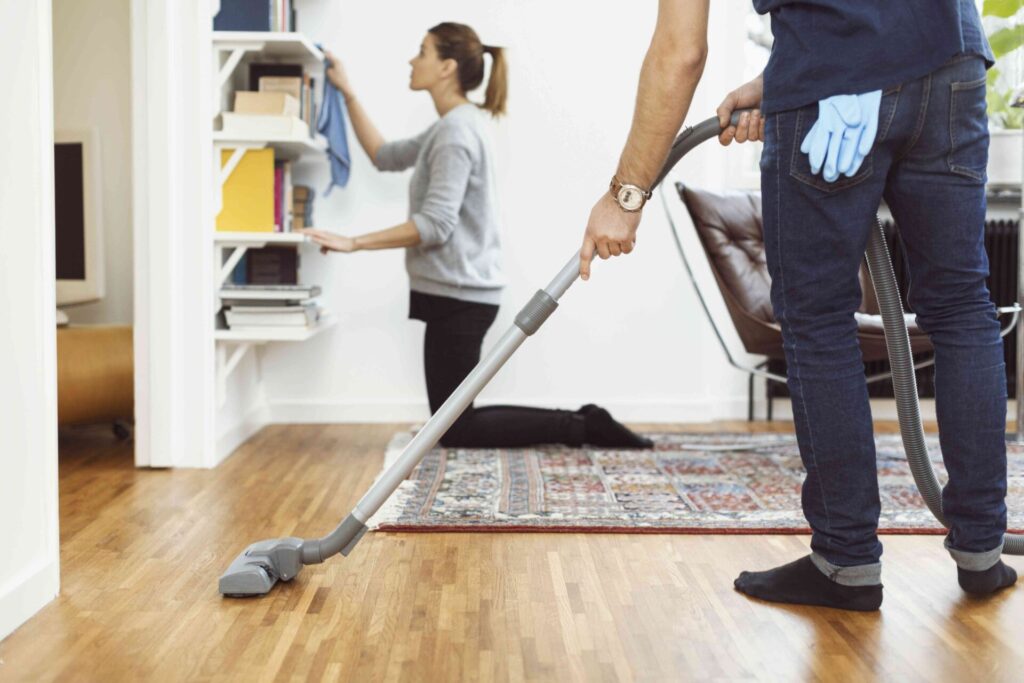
{"x": 689, "y": 483}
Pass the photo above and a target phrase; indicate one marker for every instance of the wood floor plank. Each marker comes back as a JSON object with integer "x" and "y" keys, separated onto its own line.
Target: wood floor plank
{"x": 141, "y": 551}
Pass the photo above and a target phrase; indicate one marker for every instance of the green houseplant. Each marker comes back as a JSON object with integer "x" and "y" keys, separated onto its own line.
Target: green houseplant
{"x": 1004, "y": 21}
{"x": 1005, "y": 40}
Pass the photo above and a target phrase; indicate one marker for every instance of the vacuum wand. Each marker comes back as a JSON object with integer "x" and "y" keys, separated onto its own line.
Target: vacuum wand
{"x": 262, "y": 564}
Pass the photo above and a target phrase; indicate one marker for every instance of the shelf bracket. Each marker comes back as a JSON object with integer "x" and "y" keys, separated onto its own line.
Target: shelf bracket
{"x": 226, "y": 365}
{"x": 225, "y": 270}
{"x": 225, "y": 171}
{"x": 230, "y": 65}
{"x": 236, "y": 52}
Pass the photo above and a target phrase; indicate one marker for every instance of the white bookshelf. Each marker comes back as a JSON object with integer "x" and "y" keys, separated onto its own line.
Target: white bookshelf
{"x": 257, "y": 240}
{"x": 284, "y": 148}
{"x": 284, "y": 47}
{"x": 261, "y": 335}
{"x": 231, "y": 49}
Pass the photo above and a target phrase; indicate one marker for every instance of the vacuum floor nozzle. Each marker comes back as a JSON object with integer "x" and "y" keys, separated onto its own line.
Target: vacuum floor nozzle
{"x": 256, "y": 570}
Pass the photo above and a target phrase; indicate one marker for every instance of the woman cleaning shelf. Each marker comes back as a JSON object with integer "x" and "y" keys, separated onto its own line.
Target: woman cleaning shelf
{"x": 452, "y": 243}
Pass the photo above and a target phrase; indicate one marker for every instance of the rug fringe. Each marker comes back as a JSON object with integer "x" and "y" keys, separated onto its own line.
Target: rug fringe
{"x": 392, "y": 508}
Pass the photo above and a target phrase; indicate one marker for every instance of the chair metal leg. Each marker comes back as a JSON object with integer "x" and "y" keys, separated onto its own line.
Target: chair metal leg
{"x": 750, "y": 398}
{"x": 768, "y": 393}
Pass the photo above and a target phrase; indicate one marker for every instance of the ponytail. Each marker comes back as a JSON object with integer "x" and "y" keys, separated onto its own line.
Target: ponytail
{"x": 497, "y": 84}
{"x": 461, "y": 43}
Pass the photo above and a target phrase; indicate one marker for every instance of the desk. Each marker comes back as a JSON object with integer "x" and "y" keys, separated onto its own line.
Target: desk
{"x": 95, "y": 374}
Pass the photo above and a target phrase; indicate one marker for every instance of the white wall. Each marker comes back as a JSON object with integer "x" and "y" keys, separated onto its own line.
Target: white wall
{"x": 92, "y": 89}
{"x": 29, "y": 571}
{"x": 632, "y": 338}
{"x": 172, "y": 209}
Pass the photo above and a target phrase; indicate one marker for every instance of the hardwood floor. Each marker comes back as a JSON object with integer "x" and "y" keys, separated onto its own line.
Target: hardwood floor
{"x": 141, "y": 552}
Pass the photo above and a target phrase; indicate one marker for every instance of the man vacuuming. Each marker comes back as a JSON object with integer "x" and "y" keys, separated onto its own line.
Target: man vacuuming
{"x": 860, "y": 102}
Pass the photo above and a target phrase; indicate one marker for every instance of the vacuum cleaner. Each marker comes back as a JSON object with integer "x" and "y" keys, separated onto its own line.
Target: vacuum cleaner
{"x": 264, "y": 563}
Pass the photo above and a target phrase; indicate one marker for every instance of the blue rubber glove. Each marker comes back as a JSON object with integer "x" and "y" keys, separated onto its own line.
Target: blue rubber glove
{"x": 843, "y": 134}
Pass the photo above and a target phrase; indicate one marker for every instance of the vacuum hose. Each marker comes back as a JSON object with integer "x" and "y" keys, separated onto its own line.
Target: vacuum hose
{"x": 904, "y": 382}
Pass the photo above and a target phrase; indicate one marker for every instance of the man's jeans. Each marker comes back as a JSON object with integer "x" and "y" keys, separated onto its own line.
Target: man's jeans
{"x": 929, "y": 164}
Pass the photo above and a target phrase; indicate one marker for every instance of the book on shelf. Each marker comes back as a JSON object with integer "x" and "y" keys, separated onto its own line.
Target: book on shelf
{"x": 283, "y": 196}
{"x": 248, "y": 200}
{"x": 309, "y": 101}
{"x": 302, "y": 207}
{"x": 272, "y": 316}
{"x": 269, "y": 292}
{"x": 290, "y": 85}
{"x": 269, "y": 102}
{"x": 287, "y": 197}
{"x": 300, "y": 87}
{"x": 273, "y": 266}
{"x": 287, "y": 78}
{"x": 265, "y": 303}
{"x": 238, "y": 274}
{"x": 260, "y": 70}
{"x": 278, "y": 184}
{"x": 255, "y": 15}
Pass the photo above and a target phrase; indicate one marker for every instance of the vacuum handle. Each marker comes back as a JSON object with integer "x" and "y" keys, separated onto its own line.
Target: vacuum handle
{"x": 690, "y": 138}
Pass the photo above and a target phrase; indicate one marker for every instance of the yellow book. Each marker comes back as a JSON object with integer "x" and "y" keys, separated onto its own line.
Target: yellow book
{"x": 248, "y": 194}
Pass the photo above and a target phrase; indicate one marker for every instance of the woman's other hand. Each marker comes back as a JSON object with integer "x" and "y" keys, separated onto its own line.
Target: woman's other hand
{"x": 331, "y": 241}
{"x": 337, "y": 75}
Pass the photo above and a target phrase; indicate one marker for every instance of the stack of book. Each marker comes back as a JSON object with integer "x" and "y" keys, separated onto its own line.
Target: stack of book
{"x": 249, "y": 306}
{"x": 257, "y": 195}
{"x": 279, "y": 104}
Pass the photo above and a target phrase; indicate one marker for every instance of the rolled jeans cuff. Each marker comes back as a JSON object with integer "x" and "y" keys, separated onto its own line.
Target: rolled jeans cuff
{"x": 858, "y": 575}
{"x": 975, "y": 562}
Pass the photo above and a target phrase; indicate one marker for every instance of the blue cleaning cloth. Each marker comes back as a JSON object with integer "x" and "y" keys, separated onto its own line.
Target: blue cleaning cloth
{"x": 331, "y": 123}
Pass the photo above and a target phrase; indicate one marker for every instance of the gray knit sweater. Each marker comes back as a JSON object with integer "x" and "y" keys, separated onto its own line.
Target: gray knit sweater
{"x": 453, "y": 202}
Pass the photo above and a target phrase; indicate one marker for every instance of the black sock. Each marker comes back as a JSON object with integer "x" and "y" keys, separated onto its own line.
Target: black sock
{"x": 995, "y": 578}
{"x": 602, "y": 430}
{"x": 802, "y": 583}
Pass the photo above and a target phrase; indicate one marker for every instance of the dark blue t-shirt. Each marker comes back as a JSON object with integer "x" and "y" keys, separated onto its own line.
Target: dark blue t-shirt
{"x": 835, "y": 47}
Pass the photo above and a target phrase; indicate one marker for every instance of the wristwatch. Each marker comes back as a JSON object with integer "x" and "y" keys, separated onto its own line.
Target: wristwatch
{"x": 631, "y": 198}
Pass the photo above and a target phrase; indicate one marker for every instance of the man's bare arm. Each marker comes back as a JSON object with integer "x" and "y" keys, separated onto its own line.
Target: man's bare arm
{"x": 671, "y": 70}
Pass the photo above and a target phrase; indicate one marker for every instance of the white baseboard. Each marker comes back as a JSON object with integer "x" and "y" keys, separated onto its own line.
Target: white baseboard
{"x": 330, "y": 412}
{"x": 234, "y": 436}
{"x": 26, "y": 594}
{"x": 881, "y": 409}
{"x": 647, "y": 410}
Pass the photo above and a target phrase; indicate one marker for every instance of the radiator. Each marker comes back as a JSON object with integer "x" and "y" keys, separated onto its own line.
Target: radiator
{"x": 1001, "y": 245}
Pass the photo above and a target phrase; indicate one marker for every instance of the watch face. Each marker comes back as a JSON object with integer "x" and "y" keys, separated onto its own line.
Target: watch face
{"x": 630, "y": 198}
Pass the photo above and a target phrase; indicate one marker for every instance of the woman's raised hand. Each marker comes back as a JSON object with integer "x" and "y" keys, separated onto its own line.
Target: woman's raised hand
{"x": 336, "y": 74}
{"x": 331, "y": 241}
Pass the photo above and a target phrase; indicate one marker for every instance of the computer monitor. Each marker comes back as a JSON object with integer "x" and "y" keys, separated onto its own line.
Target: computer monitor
{"x": 78, "y": 216}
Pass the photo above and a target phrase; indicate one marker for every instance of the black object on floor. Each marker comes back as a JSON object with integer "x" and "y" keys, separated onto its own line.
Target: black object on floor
{"x": 802, "y": 583}
{"x": 601, "y": 429}
{"x": 988, "y": 581}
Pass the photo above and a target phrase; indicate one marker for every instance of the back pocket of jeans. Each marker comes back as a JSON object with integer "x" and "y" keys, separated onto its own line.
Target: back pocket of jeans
{"x": 800, "y": 164}
{"x": 968, "y": 129}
